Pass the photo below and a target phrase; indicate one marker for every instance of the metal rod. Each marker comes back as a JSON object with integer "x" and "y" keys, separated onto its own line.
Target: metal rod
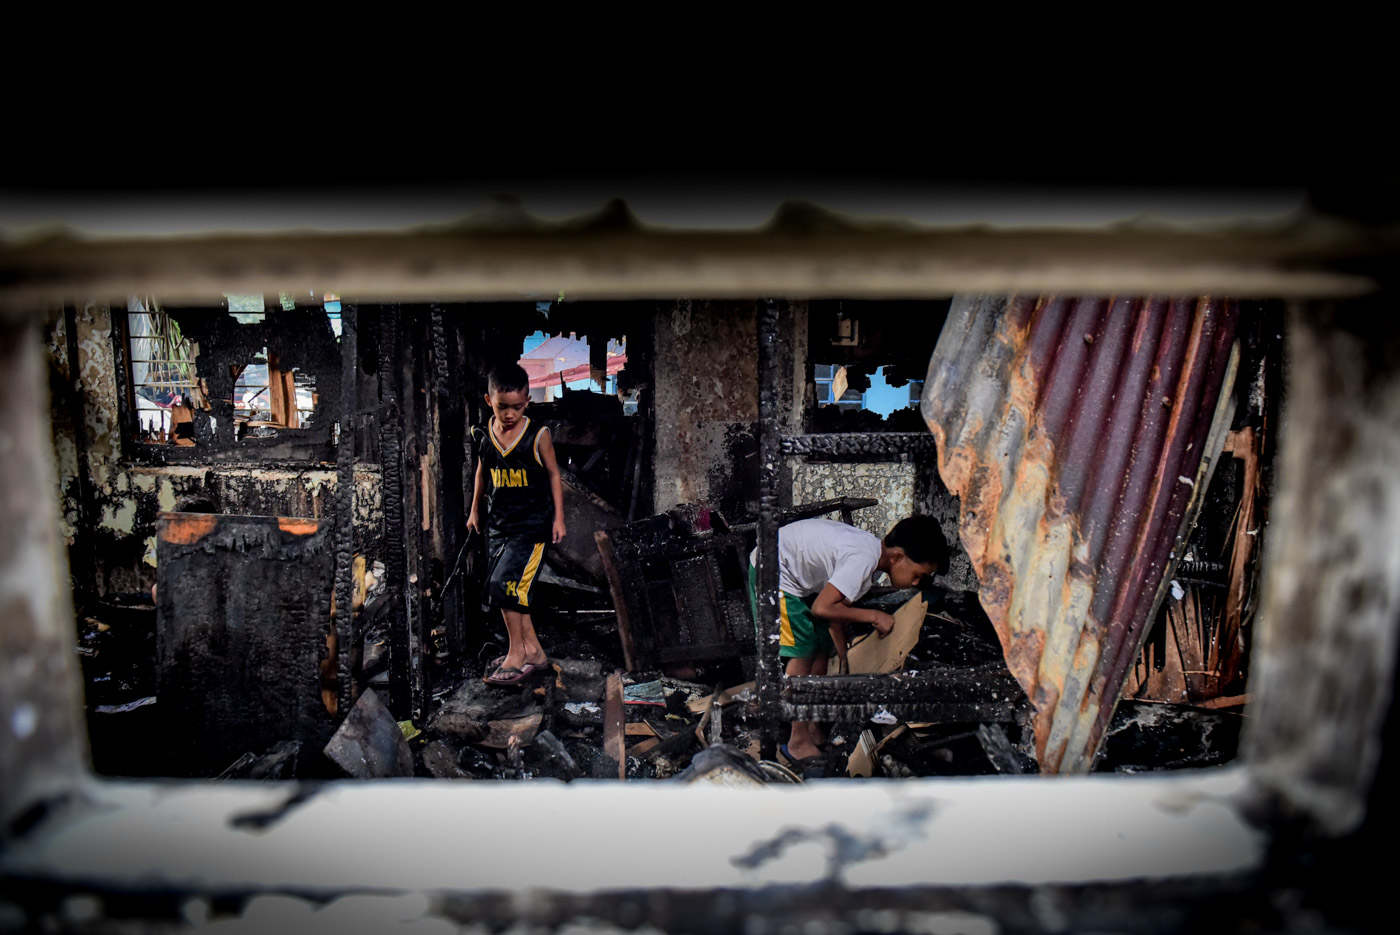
{"x": 770, "y": 672}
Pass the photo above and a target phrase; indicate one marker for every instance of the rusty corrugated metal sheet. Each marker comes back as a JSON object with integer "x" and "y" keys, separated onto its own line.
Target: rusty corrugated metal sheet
{"x": 1073, "y": 432}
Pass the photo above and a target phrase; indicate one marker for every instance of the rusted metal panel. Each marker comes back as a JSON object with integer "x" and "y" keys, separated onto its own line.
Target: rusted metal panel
{"x": 1073, "y": 431}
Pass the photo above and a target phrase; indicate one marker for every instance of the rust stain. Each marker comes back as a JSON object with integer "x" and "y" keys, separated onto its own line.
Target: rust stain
{"x": 1063, "y": 425}
{"x": 297, "y": 527}
{"x": 186, "y": 528}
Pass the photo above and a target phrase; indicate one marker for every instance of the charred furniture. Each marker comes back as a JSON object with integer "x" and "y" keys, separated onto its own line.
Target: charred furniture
{"x": 679, "y": 582}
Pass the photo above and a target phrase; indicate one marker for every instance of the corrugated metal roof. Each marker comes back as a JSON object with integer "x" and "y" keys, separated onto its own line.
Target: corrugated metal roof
{"x": 1073, "y": 431}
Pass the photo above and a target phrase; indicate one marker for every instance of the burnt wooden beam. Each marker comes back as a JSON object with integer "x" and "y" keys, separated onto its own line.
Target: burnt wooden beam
{"x": 766, "y": 624}
{"x": 392, "y": 480}
{"x": 346, "y": 631}
{"x": 419, "y": 441}
{"x": 453, "y": 476}
{"x": 614, "y": 719}
{"x": 935, "y": 693}
{"x": 884, "y": 444}
{"x": 845, "y": 505}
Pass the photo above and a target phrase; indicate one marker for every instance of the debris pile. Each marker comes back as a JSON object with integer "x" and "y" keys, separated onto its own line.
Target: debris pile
{"x": 594, "y": 713}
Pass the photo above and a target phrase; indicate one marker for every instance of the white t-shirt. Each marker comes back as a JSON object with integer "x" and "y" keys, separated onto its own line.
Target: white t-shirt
{"x": 813, "y": 553}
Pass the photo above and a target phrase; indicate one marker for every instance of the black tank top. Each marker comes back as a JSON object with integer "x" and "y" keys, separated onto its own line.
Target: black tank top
{"x": 518, "y": 501}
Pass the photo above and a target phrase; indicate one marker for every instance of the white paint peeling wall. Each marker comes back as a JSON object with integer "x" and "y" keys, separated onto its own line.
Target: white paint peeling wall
{"x": 123, "y": 488}
{"x": 890, "y": 482}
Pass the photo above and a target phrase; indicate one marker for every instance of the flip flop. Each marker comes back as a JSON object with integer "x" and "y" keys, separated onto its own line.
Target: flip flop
{"x": 535, "y": 668}
{"x": 504, "y": 676}
{"x": 796, "y": 763}
{"x": 511, "y": 676}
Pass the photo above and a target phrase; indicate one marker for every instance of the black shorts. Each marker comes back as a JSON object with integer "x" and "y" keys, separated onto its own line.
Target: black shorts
{"x": 512, "y": 565}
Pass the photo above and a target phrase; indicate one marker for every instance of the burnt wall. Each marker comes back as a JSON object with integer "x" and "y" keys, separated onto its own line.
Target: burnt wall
{"x": 110, "y": 491}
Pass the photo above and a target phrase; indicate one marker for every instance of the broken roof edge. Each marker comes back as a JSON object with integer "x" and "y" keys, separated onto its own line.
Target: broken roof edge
{"x": 679, "y": 207}
{"x": 824, "y": 256}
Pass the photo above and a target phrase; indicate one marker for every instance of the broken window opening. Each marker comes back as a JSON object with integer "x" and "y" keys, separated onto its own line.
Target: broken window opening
{"x": 557, "y": 364}
{"x": 267, "y": 397}
{"x": 165, "y": 387}
{"x": 879, "y": 397}
{"x": 208, "y": 379}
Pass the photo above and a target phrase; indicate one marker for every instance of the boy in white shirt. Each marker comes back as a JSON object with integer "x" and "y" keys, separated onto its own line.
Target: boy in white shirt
{"x": 823, "y": 568}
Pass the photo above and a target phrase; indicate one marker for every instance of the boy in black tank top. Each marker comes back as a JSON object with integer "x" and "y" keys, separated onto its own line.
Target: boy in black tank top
{"x": 524, "y": 509}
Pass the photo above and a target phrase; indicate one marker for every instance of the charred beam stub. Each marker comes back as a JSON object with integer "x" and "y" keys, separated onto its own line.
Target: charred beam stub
{"x": 885, "y": 444}
{"x": 845, "y": 505}
{"x": 989, "y": 694}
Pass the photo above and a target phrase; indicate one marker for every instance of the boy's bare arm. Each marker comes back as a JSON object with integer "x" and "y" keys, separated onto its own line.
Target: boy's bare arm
{"x": 840, "y": 640}
{"x": 474, "y": 518}
{"x": 556, "y": 483}
{"x": 831, "y": 605}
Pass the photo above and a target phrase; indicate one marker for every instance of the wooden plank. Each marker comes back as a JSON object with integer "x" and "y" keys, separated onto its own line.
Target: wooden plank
{"x": 1234, "y": 701}
{"x": 1226, "y": 651}
{"x": 614, "y": 740}
{"x": 728, "y": 696}
{"x": 862, "y": 759}
{"x": 702, "y": 729}
{"x": 624, "y": 622}
{"x": 520, "y": 729}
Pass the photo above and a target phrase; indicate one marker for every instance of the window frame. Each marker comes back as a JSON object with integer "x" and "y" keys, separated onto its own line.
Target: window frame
{"x": 300, "y": 443}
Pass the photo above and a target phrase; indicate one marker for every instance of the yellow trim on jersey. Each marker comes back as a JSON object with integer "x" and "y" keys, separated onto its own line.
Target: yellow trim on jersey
{"x": 527, "y": 579}
{"x": 491, "y": 430}
{"x": 537, "y": 445}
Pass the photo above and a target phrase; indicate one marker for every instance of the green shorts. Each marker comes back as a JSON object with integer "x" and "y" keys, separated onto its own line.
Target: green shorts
{"x": 800, "y": 635}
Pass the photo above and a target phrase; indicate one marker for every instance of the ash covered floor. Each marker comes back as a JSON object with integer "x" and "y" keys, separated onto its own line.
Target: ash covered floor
{"x": 584, "y": 713}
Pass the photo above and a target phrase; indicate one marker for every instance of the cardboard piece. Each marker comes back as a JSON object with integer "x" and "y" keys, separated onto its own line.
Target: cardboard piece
{"x": 873, "y": 655}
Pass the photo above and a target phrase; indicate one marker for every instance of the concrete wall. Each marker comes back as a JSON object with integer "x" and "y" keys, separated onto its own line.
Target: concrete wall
{"x": 43, "y": 748}
{"x": 706, "y": 401}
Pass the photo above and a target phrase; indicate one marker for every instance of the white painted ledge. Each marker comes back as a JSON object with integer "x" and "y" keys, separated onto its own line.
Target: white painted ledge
{"x": 423, "y": 835}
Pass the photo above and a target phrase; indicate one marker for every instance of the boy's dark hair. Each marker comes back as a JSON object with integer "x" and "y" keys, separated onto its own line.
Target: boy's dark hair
{"x": 921, "y": 538}
{"x": 507, "y": 378}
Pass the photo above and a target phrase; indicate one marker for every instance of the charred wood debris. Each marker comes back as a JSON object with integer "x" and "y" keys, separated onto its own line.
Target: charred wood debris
{"x": 590, "y": 716}
{"x": 653, "y": 663}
